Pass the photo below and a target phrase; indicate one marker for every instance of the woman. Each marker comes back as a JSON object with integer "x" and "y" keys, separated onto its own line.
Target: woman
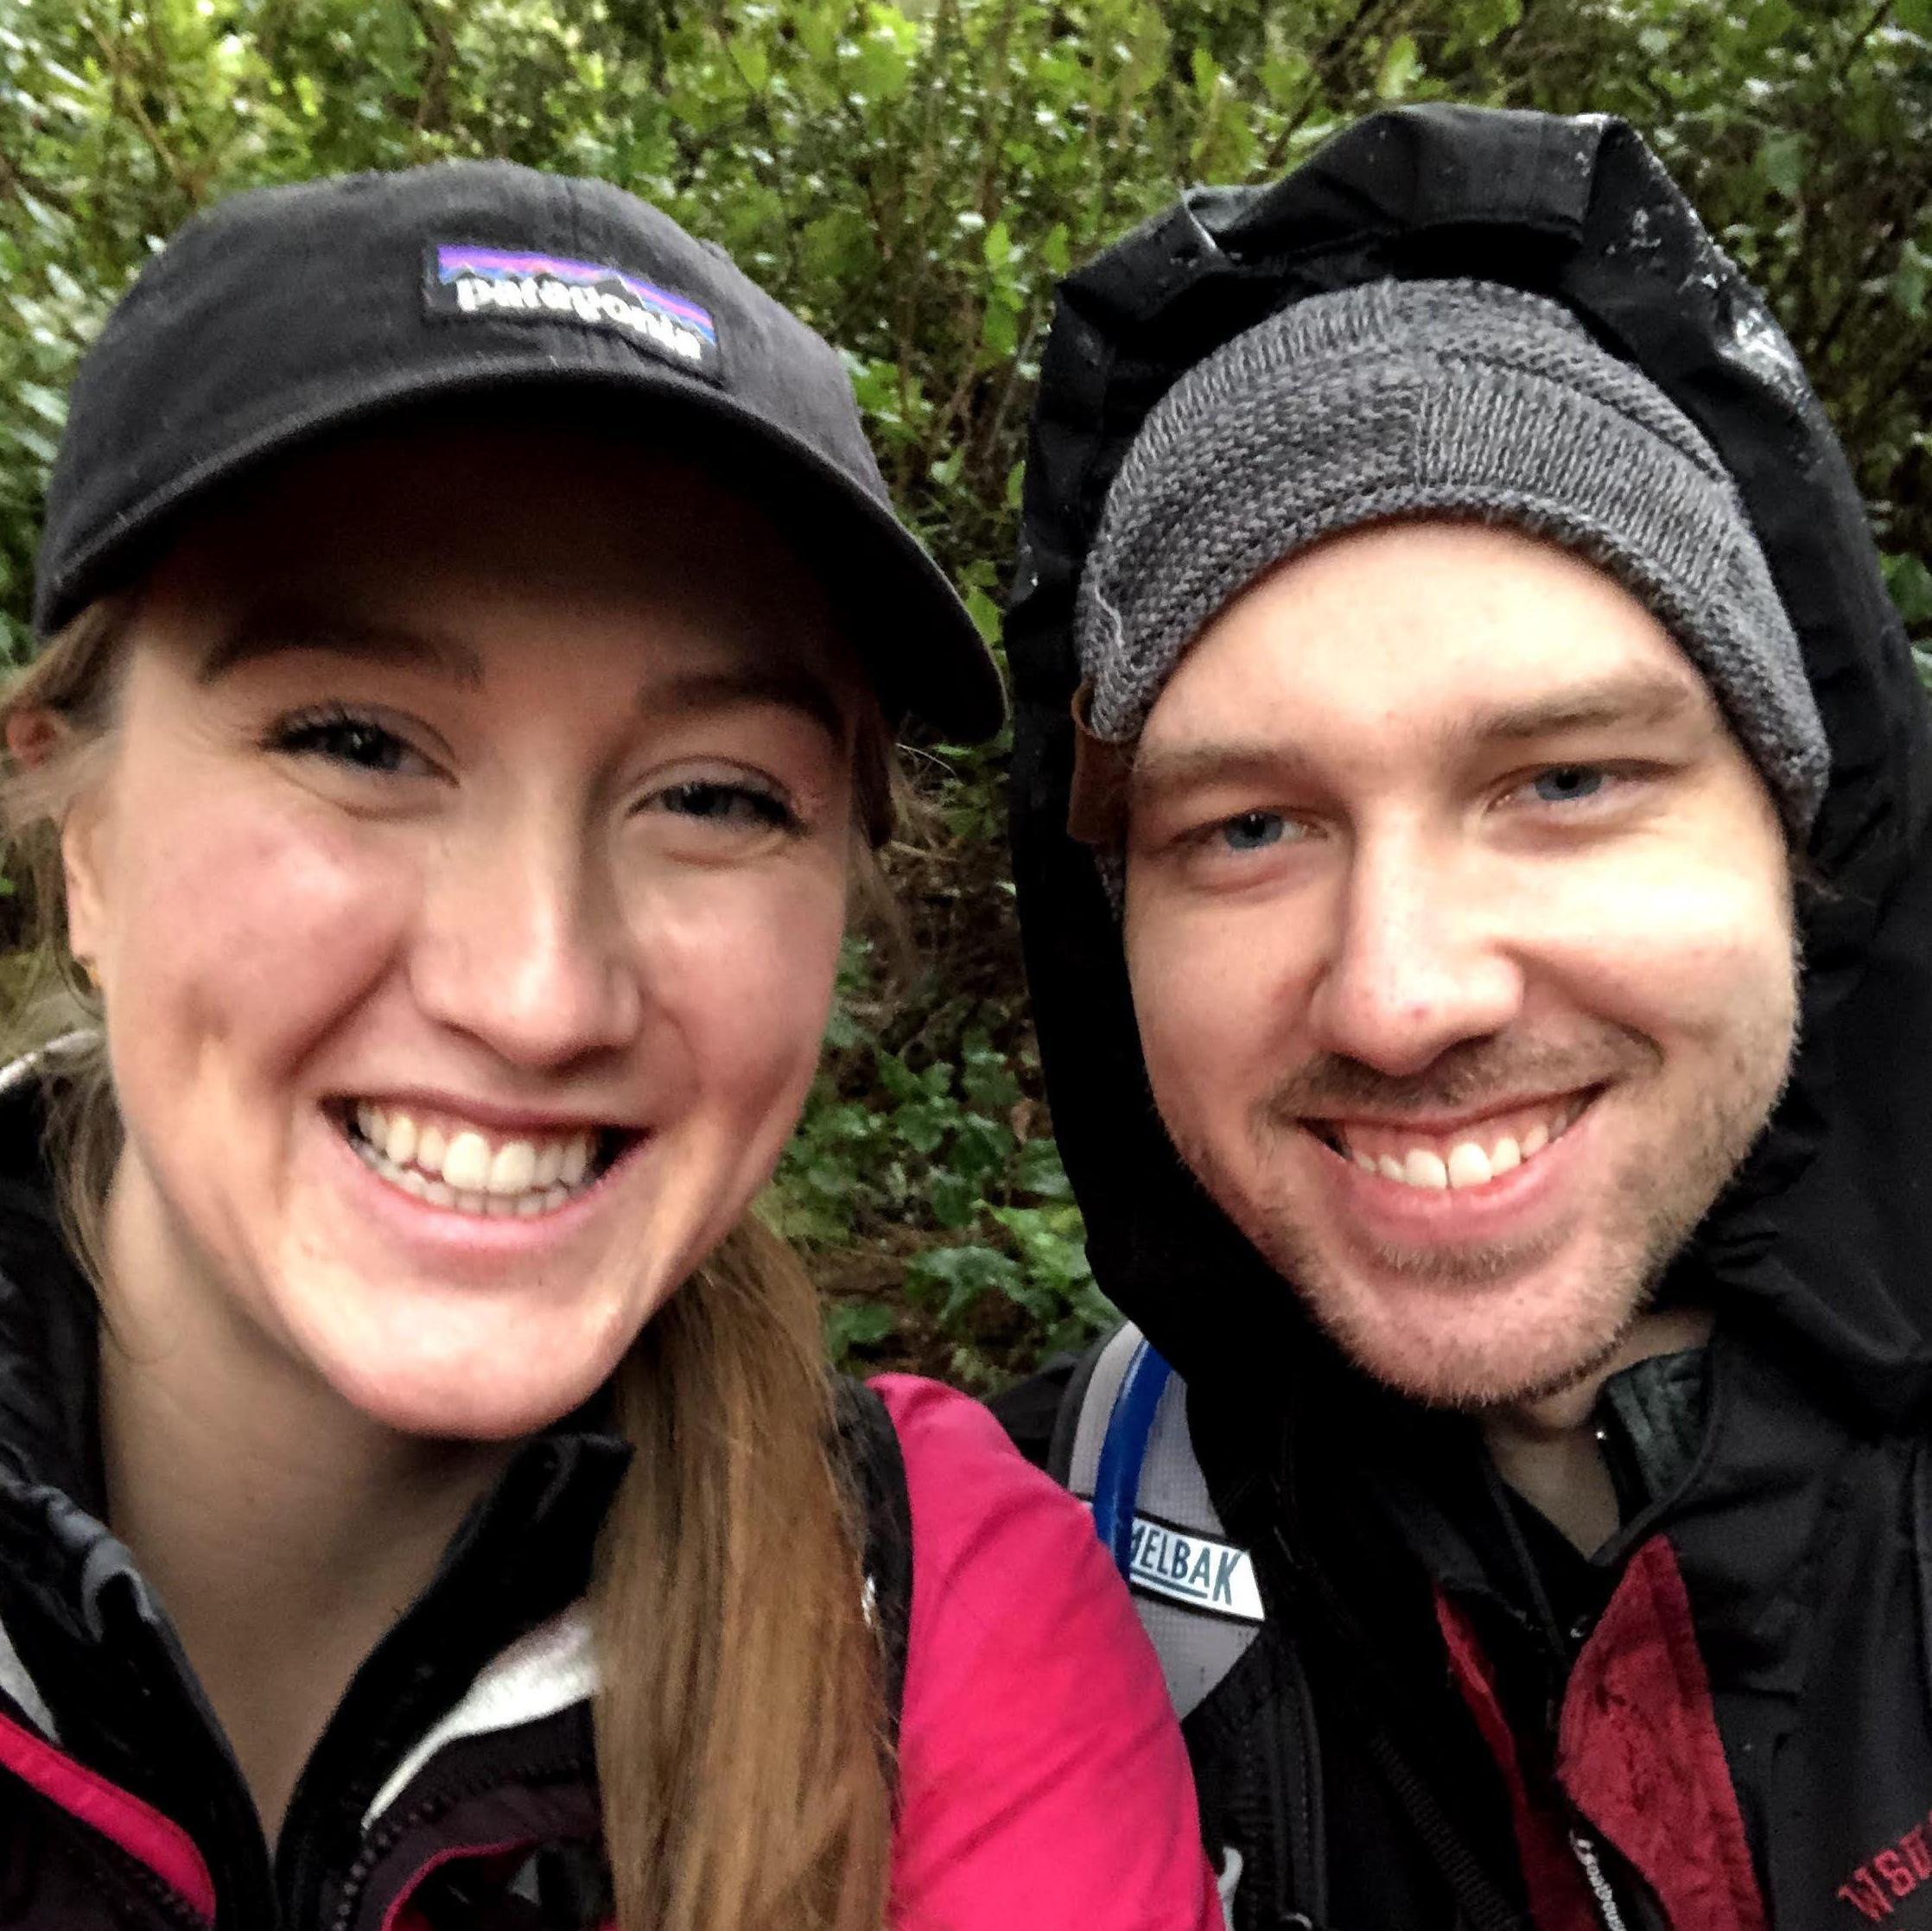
{"x": 475, "y": 627}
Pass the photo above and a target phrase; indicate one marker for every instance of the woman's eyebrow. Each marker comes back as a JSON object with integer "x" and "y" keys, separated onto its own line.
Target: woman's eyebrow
{"x": 265, "y": 633}
{"x": 789, "y": 685}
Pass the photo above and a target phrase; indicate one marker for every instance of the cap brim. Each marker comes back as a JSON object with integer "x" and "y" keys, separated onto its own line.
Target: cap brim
{"x": 912, "y": 631}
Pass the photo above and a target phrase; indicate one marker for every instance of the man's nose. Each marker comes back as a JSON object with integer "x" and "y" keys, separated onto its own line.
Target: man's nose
{"x": 1418, "y": 958}
{"x": 523, "y": 949}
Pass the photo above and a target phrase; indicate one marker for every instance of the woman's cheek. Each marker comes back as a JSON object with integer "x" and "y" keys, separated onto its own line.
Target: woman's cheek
{"x": 747, "y": 968}
{"x": 264, "y": 916}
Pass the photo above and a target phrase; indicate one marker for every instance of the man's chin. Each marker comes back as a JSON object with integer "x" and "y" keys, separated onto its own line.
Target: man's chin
{"x": 1483, "y": 1335}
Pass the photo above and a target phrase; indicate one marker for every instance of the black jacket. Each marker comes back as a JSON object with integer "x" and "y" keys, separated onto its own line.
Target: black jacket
{"x": 1747, "y": 1737}
{"x": 454, "y": 1788}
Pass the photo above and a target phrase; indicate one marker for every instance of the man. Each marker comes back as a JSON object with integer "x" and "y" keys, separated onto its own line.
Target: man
{"x": 1478, "y": 909}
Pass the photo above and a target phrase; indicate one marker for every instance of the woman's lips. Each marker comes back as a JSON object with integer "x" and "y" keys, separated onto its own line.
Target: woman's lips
{"x": 506, "y": 1213}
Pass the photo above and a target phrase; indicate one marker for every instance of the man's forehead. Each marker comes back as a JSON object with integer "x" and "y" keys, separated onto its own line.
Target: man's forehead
{"x": 1444, "y": 636}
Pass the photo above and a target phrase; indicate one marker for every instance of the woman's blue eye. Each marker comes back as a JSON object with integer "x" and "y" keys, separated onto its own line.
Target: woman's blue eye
{"x": 1567, "y": 784}
{"x": 1253, "y": 831}
{"x": 347, "y": 738}
{"x": 714, "y": 803}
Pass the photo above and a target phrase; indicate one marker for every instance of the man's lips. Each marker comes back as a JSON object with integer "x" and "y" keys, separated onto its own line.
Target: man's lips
{"x": 1468, "y": 1152}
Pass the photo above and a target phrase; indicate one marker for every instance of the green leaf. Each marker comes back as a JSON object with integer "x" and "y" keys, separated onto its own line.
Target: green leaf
{"x": 898, "y": 1078}
{"x": 1782, "y": 161}
{"x": 921, "y": 1127}
{"x": 981, "y": 1147}
{"x": 850, "y": 1324}
{"x": 956, "y": 1200}
{"x": 1911, "y": 280}
{"x": 959, "y": 1275}
{"x": 750, "y": 60}
{"x": 1910, "y": 584}
{"x": 1037, "y": 1170}
{"x": 1400, "y": 65}
{"x": 984, "y": 612}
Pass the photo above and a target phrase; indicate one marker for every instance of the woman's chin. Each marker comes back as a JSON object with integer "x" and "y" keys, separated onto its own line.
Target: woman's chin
{"x": 426, "y": 1354}
{"x": 461, "y": 1406}
{"x": 470, "y": 1380}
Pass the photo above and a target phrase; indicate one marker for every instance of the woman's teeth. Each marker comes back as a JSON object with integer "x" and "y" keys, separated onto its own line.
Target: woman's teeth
{"x": 467, "y": 1170}
{"x": 1471, "y": 1162}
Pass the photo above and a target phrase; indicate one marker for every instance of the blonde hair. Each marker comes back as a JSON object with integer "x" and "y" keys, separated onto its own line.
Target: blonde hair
{"x": 741, "y": 1725}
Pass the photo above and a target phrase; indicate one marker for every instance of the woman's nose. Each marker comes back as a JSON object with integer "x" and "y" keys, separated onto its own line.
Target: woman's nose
{"x": 1418, "y": 961}
{"x": 524, "y": 950}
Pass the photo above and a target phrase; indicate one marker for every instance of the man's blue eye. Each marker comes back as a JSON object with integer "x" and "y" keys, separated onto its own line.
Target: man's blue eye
{"x": 1253, "y": 831}
{"x": 1567, "y": 784}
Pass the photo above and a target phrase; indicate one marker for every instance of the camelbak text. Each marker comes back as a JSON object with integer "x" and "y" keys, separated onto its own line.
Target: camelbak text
{"x": 1192, "y": 1569}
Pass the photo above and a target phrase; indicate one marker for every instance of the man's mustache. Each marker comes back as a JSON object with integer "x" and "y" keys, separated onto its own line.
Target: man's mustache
{"x": 1463, "y": 1075}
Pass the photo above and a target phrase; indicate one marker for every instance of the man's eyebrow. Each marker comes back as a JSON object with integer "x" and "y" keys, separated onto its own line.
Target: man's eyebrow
{"x": 789, "y": 685}
{"x": 1158, "y": 775}
{"x": 1641, "y": 700}
{"x": 266, "y": 633}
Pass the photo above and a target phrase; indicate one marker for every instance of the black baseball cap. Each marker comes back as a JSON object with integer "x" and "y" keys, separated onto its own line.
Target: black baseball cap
{"x": 284, "y": 314}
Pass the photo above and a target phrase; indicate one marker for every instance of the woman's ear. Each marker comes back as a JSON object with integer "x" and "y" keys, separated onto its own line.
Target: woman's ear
{"x": 33, "y": 734}
{"x": 36, "y": 736}
{"x": 79, "y": 861}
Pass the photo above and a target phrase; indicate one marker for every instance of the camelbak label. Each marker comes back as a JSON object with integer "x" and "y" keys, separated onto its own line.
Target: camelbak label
{"x": 465, "y": 280}
{"x": 1193, "y": 1569}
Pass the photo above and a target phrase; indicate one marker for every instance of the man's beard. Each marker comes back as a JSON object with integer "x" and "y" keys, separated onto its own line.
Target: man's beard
{"x": 1502, "y": 1351}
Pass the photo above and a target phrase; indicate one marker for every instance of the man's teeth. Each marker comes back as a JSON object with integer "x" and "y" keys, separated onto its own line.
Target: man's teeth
{"x": 1468, "y": 1162}
{"x": 469, "y": 1171}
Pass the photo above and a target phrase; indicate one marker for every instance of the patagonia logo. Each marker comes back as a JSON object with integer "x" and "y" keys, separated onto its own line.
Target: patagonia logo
{"x": 468, "y": 281}
{"x": 1876, "y": 1888}
{"x": 1194, "y": 1570}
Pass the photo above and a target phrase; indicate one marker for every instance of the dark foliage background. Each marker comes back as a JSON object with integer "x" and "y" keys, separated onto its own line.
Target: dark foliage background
{"x": 911, "y": 178}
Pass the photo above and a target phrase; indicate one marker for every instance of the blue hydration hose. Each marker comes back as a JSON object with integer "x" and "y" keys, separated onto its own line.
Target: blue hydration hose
{"x": 1123, "y": 1449}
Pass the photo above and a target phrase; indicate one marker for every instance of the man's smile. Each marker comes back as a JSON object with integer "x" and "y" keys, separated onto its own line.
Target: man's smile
{"x": 1468, "y": 1152}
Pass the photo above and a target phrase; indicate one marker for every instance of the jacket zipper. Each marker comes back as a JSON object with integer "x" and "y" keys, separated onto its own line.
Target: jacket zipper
{"x": 391, "y": 1830}
{"x": 1585, "y": 1851}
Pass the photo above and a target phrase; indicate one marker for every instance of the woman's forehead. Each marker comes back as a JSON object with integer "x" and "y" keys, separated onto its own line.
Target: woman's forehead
{"x": 466, "y": 531}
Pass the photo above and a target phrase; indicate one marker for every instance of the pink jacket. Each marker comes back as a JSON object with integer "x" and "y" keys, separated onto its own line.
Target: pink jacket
{"x": 1042, "y": 1777}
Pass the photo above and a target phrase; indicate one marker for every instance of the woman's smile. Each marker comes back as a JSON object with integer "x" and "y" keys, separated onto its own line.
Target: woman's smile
{"x": 448, "y": 1158}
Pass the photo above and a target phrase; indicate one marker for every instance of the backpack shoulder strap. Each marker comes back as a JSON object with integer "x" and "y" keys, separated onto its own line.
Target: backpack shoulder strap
{"x": 1236, "y": 1680}
{"x": 878, "y": 1475}
{"x": 1132, "y": 1456}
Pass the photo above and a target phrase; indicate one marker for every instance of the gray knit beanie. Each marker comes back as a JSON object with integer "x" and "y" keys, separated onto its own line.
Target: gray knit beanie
{"x": 1454, "y": 398}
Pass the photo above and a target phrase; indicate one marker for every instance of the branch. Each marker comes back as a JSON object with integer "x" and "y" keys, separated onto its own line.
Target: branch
{"x": 126, "y": 93}
{"x": 1874, "y": 21}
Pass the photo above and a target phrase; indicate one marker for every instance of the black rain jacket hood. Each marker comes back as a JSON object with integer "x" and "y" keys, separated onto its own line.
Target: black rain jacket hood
{"x": 1824, "y": 1240}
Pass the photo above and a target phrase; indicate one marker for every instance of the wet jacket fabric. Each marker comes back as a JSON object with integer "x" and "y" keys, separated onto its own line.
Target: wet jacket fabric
{"x": 1724, "y": 1719}
{"x": 1041, "y": 1778}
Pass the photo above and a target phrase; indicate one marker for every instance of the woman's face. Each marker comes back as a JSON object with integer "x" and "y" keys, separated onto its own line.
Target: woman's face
{"x": 465, "y": 882}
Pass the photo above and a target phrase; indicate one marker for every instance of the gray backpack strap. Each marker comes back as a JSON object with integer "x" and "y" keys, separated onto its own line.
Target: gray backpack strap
{"x": 1195, "y": 1590}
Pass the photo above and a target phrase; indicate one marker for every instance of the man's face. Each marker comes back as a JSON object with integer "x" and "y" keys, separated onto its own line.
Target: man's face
{"x": 1460, "y": 934}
